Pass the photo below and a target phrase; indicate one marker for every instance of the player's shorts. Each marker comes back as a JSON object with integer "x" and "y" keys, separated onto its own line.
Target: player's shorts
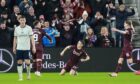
{"x": 39, "y": 53}
{"x": 23, "y": 54}
{"x": 69, "y": 65}
{"x": 126, "y": 53}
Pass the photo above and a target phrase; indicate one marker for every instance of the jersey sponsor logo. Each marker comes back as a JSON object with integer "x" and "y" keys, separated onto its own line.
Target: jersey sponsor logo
{"x": 6, "y": 60}
{"x": 136, "y": 57}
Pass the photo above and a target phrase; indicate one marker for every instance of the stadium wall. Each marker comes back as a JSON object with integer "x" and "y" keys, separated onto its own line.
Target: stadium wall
{"x": 102, "y": 60}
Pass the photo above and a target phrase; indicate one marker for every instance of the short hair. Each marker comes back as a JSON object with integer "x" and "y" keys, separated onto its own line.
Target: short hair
{"x": 22, "y": 17}
{"x": 129, "y": 22}
{"x": 82, "y": 42}
{"x": 35, "y": 22}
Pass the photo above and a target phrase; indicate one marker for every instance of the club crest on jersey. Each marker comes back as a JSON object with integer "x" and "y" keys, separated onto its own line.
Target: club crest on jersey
{"x": 76, "y": 53}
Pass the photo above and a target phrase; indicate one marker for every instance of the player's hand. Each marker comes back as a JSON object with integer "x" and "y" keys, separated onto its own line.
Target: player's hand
{"x": 14, "y": 50}
{"x": 62, "y": 53}
{"x": 114, "y": 29}
{"x": 131, "y": 7}
{"x": 82, "y": 60}
{"x": 51, "y": 41}
{"x": 33, "y": 50}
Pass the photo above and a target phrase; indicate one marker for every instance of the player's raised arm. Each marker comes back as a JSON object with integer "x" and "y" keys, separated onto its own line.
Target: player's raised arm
{"x": 120, "y": 31}
{"x": 64, "y": 50}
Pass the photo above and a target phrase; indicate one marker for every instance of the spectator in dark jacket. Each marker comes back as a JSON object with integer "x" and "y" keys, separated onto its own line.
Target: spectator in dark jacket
{"x": 6, "y": 35}
{"x": 97, "y": 22}
{"x": 39, "y": 4}
{"x": 121, "y": 16}
{"x": 5, "y": 17}
{"x": 99, "y": 5}
{"x": 4, "y": 7}
{"x": 105, "y": 39}
{"x": 31, "y": 17}
{"x": 66, "y": 35}
{"x": 14, "y": 21}
{"x": 24, "y": 5}
{"x": 52, "y": 7}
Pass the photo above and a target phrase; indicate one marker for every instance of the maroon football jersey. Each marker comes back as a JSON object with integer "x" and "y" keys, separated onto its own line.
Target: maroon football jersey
{"x": 128, "y": 38}
{"x": 76, "y": 55}
{"x": 38, "y": 35}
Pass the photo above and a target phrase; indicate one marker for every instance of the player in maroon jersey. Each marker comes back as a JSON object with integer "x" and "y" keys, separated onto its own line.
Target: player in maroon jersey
{"x": 127, "y": 48}
{"x": 38, "y": 33}
{"x": 77, "y": 54}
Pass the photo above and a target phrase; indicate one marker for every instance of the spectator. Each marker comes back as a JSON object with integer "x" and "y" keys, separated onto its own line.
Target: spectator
{"x": 68, "y": 6}
{"x": 5, "y": 17}
{"x": 66, "y": 35}
{"x": 67, "y": 19}
{"x": 53, "y": 7}
{"x": 6, "y": 35}
{"x": 99, "y": 5}
{"x": 42, "y": 20}
{"x": 14, "y": 21}
{"x": 105, "y": 39}
{"x": 31, "y": 17}
{"x": 39, "y": 4}
{"x": 97, "y": 22}
{"x": 82, "y": 6}
{"x": 24, "y": 5}
{"x": 90, "y": 38}
{"x": 84, "y": 24}
{"x": 121, "y": 15}
{"x": 51, "y": 32}
{"x": 120, "y": 2}
{"x": 4, "y": 7}
{"x": 56, "y": 22}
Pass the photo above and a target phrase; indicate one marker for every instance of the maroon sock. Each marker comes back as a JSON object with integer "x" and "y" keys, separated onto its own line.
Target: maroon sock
{"x": 39, "y": 65}
{"x": 34, "y": 66}
{"x": 118, "y": 68}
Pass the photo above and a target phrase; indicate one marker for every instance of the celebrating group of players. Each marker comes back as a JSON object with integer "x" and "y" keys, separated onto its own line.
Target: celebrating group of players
{"x": 26, "y": 39}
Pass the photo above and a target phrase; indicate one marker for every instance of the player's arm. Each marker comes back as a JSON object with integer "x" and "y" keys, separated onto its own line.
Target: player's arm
{"x": 48, "y": 37}
{"x": 14, "y": 44}
{"x": 32, "y": 41}
{"x": 119, "y": 31}
{"x": 33, "y": 44}
{"x": 86, "y": 59}
{"x": 65, "y": 49}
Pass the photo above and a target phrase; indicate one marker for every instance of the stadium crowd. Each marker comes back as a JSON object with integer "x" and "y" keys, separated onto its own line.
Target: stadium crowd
{"x": 67, "y": 21}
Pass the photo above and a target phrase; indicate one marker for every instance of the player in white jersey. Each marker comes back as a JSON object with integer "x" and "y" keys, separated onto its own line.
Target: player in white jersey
{"x": 23, "y": 42}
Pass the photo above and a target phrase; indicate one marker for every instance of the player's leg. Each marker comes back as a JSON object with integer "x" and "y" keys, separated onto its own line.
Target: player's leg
{"x": 38, "y": 67}
{"x": 39, "y": 62}
{"x": 28, "y": 68}
{"x": 118, "y": 68}
{"x": 34, "y": 62}
{"x": 73, "y": 71}
{"x": 19, "y": 64}
{"x": 63, "y": 71}
{"x": 20, "y": 69}
{"x": 27, "y": 62}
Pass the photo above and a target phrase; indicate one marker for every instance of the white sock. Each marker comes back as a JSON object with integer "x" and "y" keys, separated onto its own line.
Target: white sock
{"x": 28, "y": 70}
{"x": 20, "y": 69}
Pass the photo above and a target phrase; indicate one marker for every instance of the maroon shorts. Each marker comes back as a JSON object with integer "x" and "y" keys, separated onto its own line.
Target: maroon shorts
{"x": 39, "y": 53}
{"x": 126, "y": 52}
{"x": 70, "y": 65}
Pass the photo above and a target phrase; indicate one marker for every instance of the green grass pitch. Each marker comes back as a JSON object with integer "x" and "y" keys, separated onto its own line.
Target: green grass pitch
{"x": 82, "y": 78}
